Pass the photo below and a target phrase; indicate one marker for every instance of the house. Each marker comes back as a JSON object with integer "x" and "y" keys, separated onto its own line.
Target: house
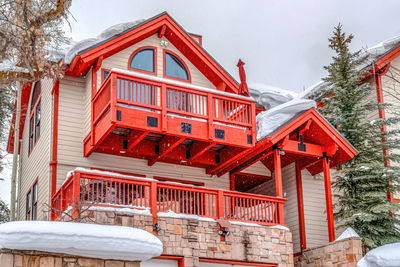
{"x": 383, "y": 74}
{"x": 147, "y": 130}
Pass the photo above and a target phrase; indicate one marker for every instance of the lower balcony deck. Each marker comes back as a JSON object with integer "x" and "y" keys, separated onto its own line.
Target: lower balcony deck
{"x": 91, "y": 188}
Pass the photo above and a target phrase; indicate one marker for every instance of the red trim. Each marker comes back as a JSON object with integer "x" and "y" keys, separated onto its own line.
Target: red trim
{"x": 278, "y": 183}
{"x": 32, "y": 114}
{"x": 168, "y": 257}
{"x": 197, "y": 38}
{"x": 102, "y": 73}
{"x": 181, "y": 60}
{"x": 233, "y": 262}
{"x": 328, "y": 199}
{"x": 160, "y": 178}
{"x": 137, "y": 51}
{"x": 55, "y": 92}
{"x": 232, "y": 181}
{"x": 300, "y": 206}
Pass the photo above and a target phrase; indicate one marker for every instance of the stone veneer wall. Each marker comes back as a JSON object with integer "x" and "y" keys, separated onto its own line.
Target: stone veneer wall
{"x": 19, "y": 258}
{"x": 194, "y": 239}
{"x": 346, "y": 252}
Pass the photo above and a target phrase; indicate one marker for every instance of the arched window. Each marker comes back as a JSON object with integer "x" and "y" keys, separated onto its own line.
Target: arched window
{"x": 144, "y": 60}
{"x": 174, "y": 67}
{"x": 34, "y": 116}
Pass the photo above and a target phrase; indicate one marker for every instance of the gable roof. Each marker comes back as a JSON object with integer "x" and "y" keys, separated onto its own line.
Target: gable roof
{"x": 181, "y": 39}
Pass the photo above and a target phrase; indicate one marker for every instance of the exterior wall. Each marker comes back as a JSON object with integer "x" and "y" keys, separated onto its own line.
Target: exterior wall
{"x": 194, "y": 239}
{"x": 316, "y": 225}
{"x": 35, "y": 165}
{"x": 21, "y": 258}
{"x": 346, "y": 252}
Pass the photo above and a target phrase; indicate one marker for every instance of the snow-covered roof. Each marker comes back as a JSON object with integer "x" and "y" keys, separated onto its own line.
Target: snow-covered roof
{"x": 69, "y": 51}
{"x": 377, "y": 51}
{"x": 269, "y": 96}
{"x": 80, "y": 239}
{"x": 384, "y": 256}
{"x": 374, "y": 53}
{"x": 269, "y": 121}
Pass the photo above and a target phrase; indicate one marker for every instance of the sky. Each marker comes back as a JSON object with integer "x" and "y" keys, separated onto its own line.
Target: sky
{"x": 284, "y": 43}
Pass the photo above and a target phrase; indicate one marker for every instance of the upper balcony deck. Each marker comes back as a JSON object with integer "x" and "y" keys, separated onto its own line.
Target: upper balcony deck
{"x": 147, "y": 117}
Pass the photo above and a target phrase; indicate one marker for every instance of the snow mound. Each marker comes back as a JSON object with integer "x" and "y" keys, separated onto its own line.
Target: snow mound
{"x": 384, "y": 256}
{"x": 7, "y": 65}
{"x": 80, "y": 239}
{"x": 271, "y": 120}
{"x": 108, "y": 33}
{"x": 349, "y": 232}
{"x": 270, "y": 96}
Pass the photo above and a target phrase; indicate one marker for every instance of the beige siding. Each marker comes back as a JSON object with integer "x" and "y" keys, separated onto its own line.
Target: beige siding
{"x": 36, "y": 164}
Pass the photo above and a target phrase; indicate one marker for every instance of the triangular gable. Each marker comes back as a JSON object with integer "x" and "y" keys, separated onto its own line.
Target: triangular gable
{"x": 174, "y": 33}
{"x": 316, "y": 131}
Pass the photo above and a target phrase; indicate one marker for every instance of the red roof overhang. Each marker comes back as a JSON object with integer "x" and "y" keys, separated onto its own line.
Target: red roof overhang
{"x": 319, "y": 137}
{"x": 26, "y": 92}
{"x": 174, "y": 33}
{"x": 381, "y": 66}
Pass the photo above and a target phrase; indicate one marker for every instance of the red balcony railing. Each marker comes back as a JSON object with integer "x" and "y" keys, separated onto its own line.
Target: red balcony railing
{"x": 115, "y": 191}
{"x": 128, "y": 99}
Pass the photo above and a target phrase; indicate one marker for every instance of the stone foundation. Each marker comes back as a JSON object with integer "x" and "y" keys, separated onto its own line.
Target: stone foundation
{"x": 346, "y": 252}
{"x": 19, "y": 258}
{"x": 194, "y": 239}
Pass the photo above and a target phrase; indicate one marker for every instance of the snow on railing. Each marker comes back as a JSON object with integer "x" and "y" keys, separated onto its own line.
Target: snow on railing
{"x": 98, "y": 189}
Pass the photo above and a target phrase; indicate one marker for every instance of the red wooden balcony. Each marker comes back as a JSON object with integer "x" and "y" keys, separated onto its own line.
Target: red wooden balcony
{"x": 147, "y": 117}
{"x": 96, "y": 189}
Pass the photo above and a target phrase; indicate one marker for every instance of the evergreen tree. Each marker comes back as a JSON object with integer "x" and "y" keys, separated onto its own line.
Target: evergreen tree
{"x": 363, "y": 183}
{"x": 4, "y": 212}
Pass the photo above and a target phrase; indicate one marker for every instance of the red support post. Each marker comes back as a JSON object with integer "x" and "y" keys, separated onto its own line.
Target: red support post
{"x": 210, "y": 114}
{"x": 220, "y": 204}
{"x": 232, "y": 181}
{"x": 153, "y": 202}
{"x": 300, "y": 206}
{"x": 163, "y": 107}
{"x": 75, "y": 193}
{"x": 113, "y": 95}
{"x": 278, "y": 184}
{"x": 328, "y": 199}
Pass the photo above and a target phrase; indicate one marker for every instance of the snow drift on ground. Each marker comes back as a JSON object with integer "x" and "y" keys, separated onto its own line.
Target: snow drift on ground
{"x": 270, "y": 120}
{"x": 80, "y": 239}
{"x": 384, "y": 256}
{"x": 349, "y": 232}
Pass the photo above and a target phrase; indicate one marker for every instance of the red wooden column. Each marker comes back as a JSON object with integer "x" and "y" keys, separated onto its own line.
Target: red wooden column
{"x": 232, "y": 181}
{"x": 328, "y": 199}
{"x": 300, "y": 206}
{"x": 278, "y": 184}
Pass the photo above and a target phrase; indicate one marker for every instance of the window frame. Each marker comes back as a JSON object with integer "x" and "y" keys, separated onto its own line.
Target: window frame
{"x": 32, "y": 200}
{"x": 34, "y": 127}
{"x": 165, "y": 51}
{"x": 137, "y": 51}
{"x": 103, "y": 70}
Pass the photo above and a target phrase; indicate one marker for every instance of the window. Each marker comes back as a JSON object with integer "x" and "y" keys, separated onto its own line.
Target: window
{"x": 32, "y": 202}
{"x": 34, "y": 121}
{"x": 104, "y": 74}
{"x": 144, "y": 60}
{"x": 174, "y": 67}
